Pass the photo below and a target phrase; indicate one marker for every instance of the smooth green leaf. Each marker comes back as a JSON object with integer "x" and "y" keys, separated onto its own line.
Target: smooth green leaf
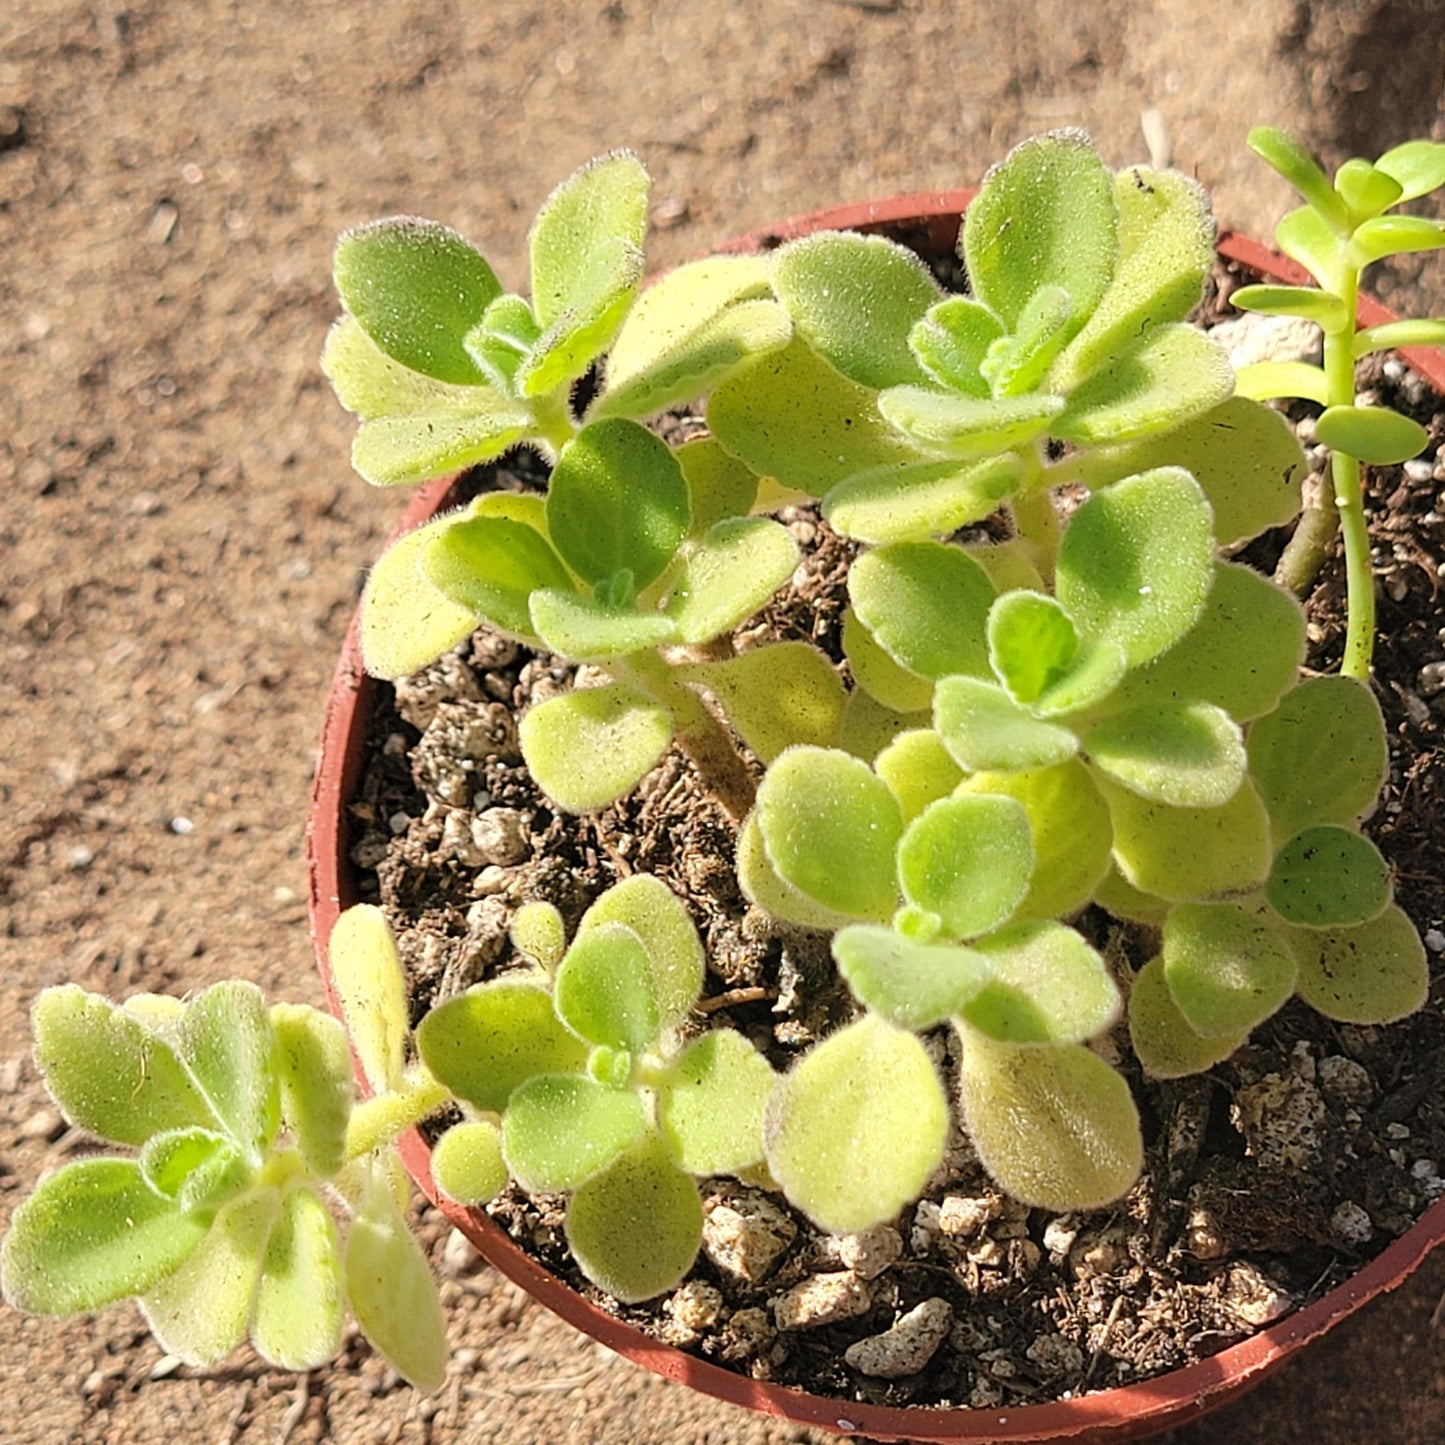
{"x": 367, "y": 976}
{"x": 561, "y": 1129}
{"x": 1163, "y": 1040}
{"x": 1267, "y": 380}
{"x": 1045, "y": 216}
{"x": 1305, "y": 236}
{"x": 467, "y": 1163}
{"x": 591, "y": 631}
{"x": 1419, "y": 331}
{"x": 586, "y": 748}
{"x": 984, "y": 729}
{"x": 968, "y": 859}
{"x": 1373, "y": 973}
{"x": 951, "y": 341}
{"x": 313, "y": 1066}
{"x": 1366, "y": 191}
{"x": 854, "y": 300}
{"x": 1227, "y": 967}
{"x": 635, "y": 1229}
{"x": 776, "y": 696}
{"x": 968, "y": 428}
{"x": 719, "y": 486}
{"x": 617, "y": 500}
{"x": 1320, "y": 756}
{"x": 1287, "y": 156}
{"x": 1372, "y": 434}
{"x": 1136, "y": 562}
{"x": 1045, "y": 986}
{"x": 407, "y": 622}
{"x": 606, "y": 991}
{"x": 1186, "y": 754}
{"x": 485, "y": 1042}
{"x": 905, "y": 501}
{"x": 711, "y": 1101}
{"x": 761, "y": 885}
{"x": 913, "y": 985}
{"x": 226, "y": 1040}
{"x": 1321, "y": 307}
{"x": 1328, "y": 877}
{"x": 392, "y": 1292}
{"x": 109, "y": 1073}
{"x": 857, "y": 1126}
{"x": 92, "y": 1233}
{"x": 1418, "y": 165}
{"x": 416, "y": 289}
{"x": 1394, "y": 236}
{"x": 489, "y": 566}
{"x": 657, "y": 916}
{"x": 729, "y": 574}
{"x": 918, "y": 770}
{"x": 830, "y": 827}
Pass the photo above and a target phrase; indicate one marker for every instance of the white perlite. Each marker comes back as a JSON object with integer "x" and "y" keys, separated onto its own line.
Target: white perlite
{"x": 500, "y": 837}
{"x": 906, "y": 1347}
{"x": 868, "y": 1254}
{"x": 1252, "y": 1298}
{"x": 822, "y": 1299}
{"x": 745, "y": 1234}
{"x": 1350, "y": 1224}
{"x": 960, "y": 1215}
{"x": 1253, "y": 338}
{"x": 1280, "y": 1118}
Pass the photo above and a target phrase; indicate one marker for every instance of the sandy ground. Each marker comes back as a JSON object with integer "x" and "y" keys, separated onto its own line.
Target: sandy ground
{"x": 181, "y": 538}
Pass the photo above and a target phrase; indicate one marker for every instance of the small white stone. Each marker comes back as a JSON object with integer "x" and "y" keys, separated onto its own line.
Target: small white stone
{"x": 459, "y": 1254}
{"x": 1345, "y": 1083}
{"x": 1350, "y": 1224}
{"x": 500, "y": 836}
{"x": 1251, "y": 1297}
{"x": 1397, "y": 1131}
{"x": 961, "y": 1216}
{"x": 868, "y": 1254}
{"x": 1435, "y": 940}
{"x": 1252, "y": 337}
{"x": 1420, "y": 469}
{"x": 822, "y": 1299}
{"x": 746, "y": 1234}
{"x": 697, "y": 1306}
{"x": 1059, "y": 1236}
{"x": 906, "y": 1347}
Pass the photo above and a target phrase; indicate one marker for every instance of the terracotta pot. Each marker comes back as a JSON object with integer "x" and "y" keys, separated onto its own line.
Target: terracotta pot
{"x": 928, "y": 222}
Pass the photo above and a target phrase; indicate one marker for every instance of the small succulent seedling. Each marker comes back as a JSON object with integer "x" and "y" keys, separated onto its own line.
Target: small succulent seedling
{"x": 1345, "y": 226}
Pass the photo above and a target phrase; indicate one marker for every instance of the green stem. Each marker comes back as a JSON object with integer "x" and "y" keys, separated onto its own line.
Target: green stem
{"x": 553, "y": 422}
{"x": 1035, "y": 518}
{"x": 379, "y": 1120}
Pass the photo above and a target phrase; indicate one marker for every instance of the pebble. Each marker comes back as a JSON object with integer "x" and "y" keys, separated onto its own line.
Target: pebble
{"x": 697, "y": 1306}
{"x": 1205, "y": 1239}
{"x": 961, "y": 1216}
{"x": 1420, "y": 469}
{"x": 868, "y": 1254}
{"x": 1280, "y": 1118}
{"x": 822, "y": 1299}
{"x": 1435, "y": 940}
{"x": 1059, "y": 1236}
{"x": 459, "y": 1255}
{"x": 500, "y": 836}
{"x": 1251, "y": 338}
{"x": 1054, "y": 1355}
{"x": 745, "y": 1234}
{"x": 1251, "y": 1297}
{"x": 1350, "y": 1224}
{"x": 906, "y": 1347}
{"x": 1345, "y": 1083}
{"x": 47, "y": 1124}
{"x": 746, "y": 1334}
{"x": 1432, "y": 678}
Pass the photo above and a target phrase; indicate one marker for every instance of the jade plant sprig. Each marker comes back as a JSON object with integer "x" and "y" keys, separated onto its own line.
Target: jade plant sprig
{"x": 1344, "y": 227}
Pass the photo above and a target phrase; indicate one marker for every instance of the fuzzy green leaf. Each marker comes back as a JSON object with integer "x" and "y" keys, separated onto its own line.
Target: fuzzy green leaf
{"x": 1186, "y": 754}
{"x": 868, "y": 727}
{"x": 402, "y": 450}
{"x": 110, "y": 1073}
{"x": 1373, "y": 973}
{"x": 926, "y": 605}
{"x": 313, "y": 1066}
{"x": 1174, "y": 373}
{"x": 967, "y": 428}
{"x": 789, "y": 416}
{"x": 1227, "y": 968}
{"x": 587, "y": 748}
{"x": 1044, "y": 217}
{"x": 830, "y": 827}
{"x": 894, "y": 686}
{"x": 918, "y": 770}
{"x": 226, "y": 1040}
{"x": 854, "y": 300}
{"x": 1166, "y": 1045}
{"x": 1242, "y": 655}
{"x": 761, "y": 885}
{"x": 952, "y": 340}
{"x": 197, "y": 1168}
{"x": 856, "y": 1127}
{"x": 985, "y": 729}
{"x": 1372, "y": 434}
{"x": 406, "y": 621}
{"x": 92, "y": 1233}
{"x": 1320, "y": 756}
{"x": 485, "y": 1042}
{"x": 1017, "y": 364}
{"x": 200, "y": 1312}
{"x": 913, "y": 985}
{"x": 1137, "y": 561}
{"x": 776, "y": 696}
{"x": 539, "y": 935}
{"x": 1036, "y": 653}
{"x": 391, "y": 1290}
{"x": 467, "y": 1163}
{"x": 1070, "y": 828}
{"x": 969, "y": 860}
{"x": 490, "y": 566}
{"x": 416, "y": 289}
{"x": 658, "y": 917}
{"x": 1328, "y": 877}
{"x": 584, "y": 629}
{"x": 366, "y": 973}
{"x": 731, "y": 573}
{"x": 617, "y": 501}
{"x": 906, "y": 501}
{"x": 711, "y": 1102}
{"x": 718, "y": 485}
{"x": 1119, "y": 897}
{"x": 606, "y": 991}
{"x": 1190, "y": 855}
{"x": 635, "y": 1229}
{"x": 1056, "y": 1127}
{"x": 561, "y": 1129}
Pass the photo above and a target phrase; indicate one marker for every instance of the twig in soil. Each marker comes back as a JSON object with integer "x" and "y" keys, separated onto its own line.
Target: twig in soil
{"x": 754, "y": 993}
{"x": 296, "y": 1411}
{"x": 1114, "y": 1311}
{"x": 542, "y": 1387}
{"x": 235, "y": 1422}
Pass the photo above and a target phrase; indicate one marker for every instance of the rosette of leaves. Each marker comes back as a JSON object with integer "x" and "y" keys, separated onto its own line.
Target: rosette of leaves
{"x": 259, "y": 1202}
{"x": 1345, "y": 225}
{"x": 912, "y": 413}
{"x": 581, "y": 1064}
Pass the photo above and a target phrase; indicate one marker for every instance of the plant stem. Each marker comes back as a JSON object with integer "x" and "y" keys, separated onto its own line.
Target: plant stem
{"x": 1035, "y": 518}
{"x": 379, "y": 1120}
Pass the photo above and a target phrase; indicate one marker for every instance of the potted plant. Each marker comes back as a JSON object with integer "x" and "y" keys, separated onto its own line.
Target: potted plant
{"x": 1094, "y": 711}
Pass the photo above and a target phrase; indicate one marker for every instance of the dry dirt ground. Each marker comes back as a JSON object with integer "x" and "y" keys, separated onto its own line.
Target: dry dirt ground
{"x": 181, "y": 539}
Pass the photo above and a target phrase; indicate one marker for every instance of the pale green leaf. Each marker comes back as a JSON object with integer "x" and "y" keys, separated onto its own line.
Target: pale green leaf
{"x": 313, "y": 1065}
{"x": 1119, "y": 897}
{"x": 635, "y": 1229}
{"x": 226, "y": 1040}
{"x": 1186, "y": 754}
{"x": 1372, "y": 434}
{"x": 905, "y": 501}
{"x": 1305, "y": 236}
{"x": 1366, "y": 191}
{"x": 197, "y": 1168}
{"x": 606, "y": 990}
{"x": 367, "y": 976}
{"x": 719, "y": 486}
{"x": 401, "y": 450}
{"x": 896, "y": 687}
{"x": 487, "y": 1041}
{"x": 467, "y": 1163}
{"x": 868, "y": 727}
{"x": 857, "y": 1126}
{"x": 92, "y": 1233}
{"x": 1016, "y": 364}
{"x": 967, "y": 428}
{"x": 918, "y": 770}
{"x": 1418, "y": 331}
{"x": 1163, "y": 1040}
{"x": 1227, "y": 967}
{"x": 986, "y": 730}
{"x": 711, "y": 1101}
{"x": 728, "y": 575}
{"x": 587, "y": 748}
{"x": 1031, "y": 643}
{"x": 1329, "y": 876}
{"x": 1266, "y": 380}
{"x": 585, "y": 630}
{"x": 1327, "y": 311}
{"x": 1286, "y": 155}
{"x": 952, "y": 340}
{"x": 1055, "y": 1127}
{"x": 1374, "y": 973}
{"x": 913, "y": 985}
{"x": 1418, "y": 165}
{"x": 561, "y": 1129}
{"x": 109, "y": 1073}
{"x": 761, "y": 885}
{"x": 1394, "y": 236}
{"x": 539, "y": 935}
